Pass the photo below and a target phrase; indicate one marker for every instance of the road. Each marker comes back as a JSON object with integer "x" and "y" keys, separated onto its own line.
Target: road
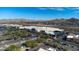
{"x": 5, "y": 44}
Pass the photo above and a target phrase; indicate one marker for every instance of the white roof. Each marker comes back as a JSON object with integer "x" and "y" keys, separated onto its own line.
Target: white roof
{"x": 52, "y": 49}
{"x": 42, "y": 28}
{"x": 70, "y": 36}
{"x": 49, "y": 49}
{"x": 77, "y": 36}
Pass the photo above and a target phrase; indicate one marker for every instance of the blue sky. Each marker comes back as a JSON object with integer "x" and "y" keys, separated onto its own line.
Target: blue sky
{"x": 38, "y": 13}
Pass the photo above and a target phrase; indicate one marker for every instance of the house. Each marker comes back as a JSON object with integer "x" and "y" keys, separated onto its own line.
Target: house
{"x": 71, "y": 36}
{"x": 77, "y": 36}
{"x": 48, "y": 30}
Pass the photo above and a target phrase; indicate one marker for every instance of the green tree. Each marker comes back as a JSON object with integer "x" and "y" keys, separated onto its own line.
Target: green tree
{"x": 30, "y": 43}
{"x": 41, "y": 40}
{"x": 12, "y": 48}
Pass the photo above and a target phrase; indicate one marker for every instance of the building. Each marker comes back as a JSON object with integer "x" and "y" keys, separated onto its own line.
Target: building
{"x": 48, "y": 30}
{"x": 71, "y": 36}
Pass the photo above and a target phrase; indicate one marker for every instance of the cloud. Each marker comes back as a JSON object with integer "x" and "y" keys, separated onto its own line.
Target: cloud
{"x": 52, "y": 8}
{"x": 43, "y": 8}
{"x": 57, "y": 8}
{"x": 75, "y": 10}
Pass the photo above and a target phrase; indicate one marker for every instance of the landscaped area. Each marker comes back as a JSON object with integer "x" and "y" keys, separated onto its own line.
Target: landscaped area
{"x": 15, "y": 39}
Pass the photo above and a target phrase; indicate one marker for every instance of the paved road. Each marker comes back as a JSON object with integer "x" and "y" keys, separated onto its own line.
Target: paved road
{"x": 5, "y": 44}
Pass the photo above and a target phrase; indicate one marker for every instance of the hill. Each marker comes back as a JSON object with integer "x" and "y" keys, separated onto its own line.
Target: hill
{"x": 67, "y": 24}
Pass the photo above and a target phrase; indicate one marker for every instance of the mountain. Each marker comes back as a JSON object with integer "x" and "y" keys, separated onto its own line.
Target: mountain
{"x": 71, "y": 24}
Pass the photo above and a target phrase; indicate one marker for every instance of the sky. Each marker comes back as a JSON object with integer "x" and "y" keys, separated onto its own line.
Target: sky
{"x": 38, "y": 13}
